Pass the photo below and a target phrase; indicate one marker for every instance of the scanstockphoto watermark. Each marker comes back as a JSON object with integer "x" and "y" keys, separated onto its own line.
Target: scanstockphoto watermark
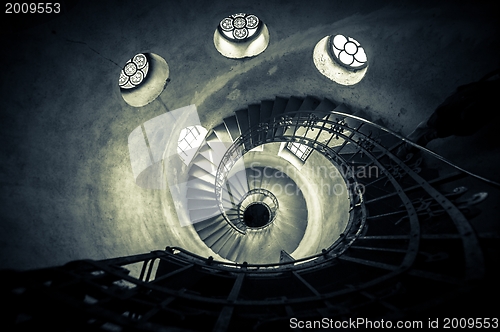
{"x": 323, "y": 186}
{"x": 325, "y": 179}
{"x": 354, "y": 323}
{"x": 360, "y": 171}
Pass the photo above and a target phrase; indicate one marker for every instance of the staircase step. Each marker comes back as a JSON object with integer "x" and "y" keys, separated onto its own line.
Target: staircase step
{"x": 254, "y": 114}
{"x": 201, "y": 204}
{"x": 195, "y": 193}
{"x": 211, "y": 239}
{"x": 231, "y": 247}
{"x": 242, "y": 119}
{"x": 203, "y": 214}
{"x": 309, "y": 104}
{"x": 344, "y": 109}
{"x": 291, "y": 109}
{"x": 200, "y": 184}
{"x": 200, "y": 173}
{"x": 223, "y": 135}
{"x": 266, "y": 199}
{"x": 233, "y": 216}
{"x": 218, "y": 150}
{"x": 232, "y": 127}
{"x": 227, "y": 199}
{"x": 266, "y": 108}
{"x": 346, "y": 149}
{"x": 279, "y": 106}
{"x": 209, "y": 226}
{"x": 254, "y": 178}
{"x": 293, "y": 105}
{"x": 254, "y": 120}
{"x": 204, "y": 163}
{"x": 223, "y": 240}
{"x": 207, "y": 153}
{"x": 212, "y": 137}
{"x": 326, "y": 105}
{"x": 239, "y": 182}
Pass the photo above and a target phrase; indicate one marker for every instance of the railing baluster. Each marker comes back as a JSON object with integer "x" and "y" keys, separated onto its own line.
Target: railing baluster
{"x": 224, "y": 319}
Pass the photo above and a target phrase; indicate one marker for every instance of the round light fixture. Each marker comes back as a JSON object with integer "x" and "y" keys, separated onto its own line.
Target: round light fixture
{"x": 341, "y": 59}
{"x": 240, "y": 27}
{"x": 143, "y": 78}
{"x": 347, "y": 52}
{"x": 134, "y": 72}
{"x": 241, "y": 36}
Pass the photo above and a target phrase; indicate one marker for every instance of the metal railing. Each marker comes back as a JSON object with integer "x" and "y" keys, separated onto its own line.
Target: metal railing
{"x": 273, "y": 209}
{"x": 342, "y": 138}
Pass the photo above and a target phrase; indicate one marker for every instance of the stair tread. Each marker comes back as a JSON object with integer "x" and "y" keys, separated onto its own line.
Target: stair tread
{"x": 293, "y": 105}
{"x": 279, "y": 106}
{"x": 212, "y": 137}
{"x": 254, "y": 114}
{"x": 232, "y": 127}
{"x": 197, "y": 204}
{"x": 207, "y": 227}
{"x": 231, "y": 248}
{"x": 223, "y": 240}
{"x": 208, "y": 154}
{"x": 223, "y": 135}
{"x": 326, "y": 105}
{"x": 239, "y": 182}
{"x": 266, "y": 108}
{"x": 253, "y": 178}
{"x": 309, "y": 104}
{"x": 218, "y": 150}
{"x": 198, "y": 172}
{"x": 242, "y": 120}
{"x": 204, "y": 163}
{"x": 216, "y": 235}
{"x": 203, "y": 214}
{"x": 196, "y": 193}
{"x": 194, "y": 182}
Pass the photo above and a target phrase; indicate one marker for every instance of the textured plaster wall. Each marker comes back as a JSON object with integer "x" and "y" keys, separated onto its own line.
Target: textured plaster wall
{"x": 66, "y": 185}
{"x": 324, "y": 191}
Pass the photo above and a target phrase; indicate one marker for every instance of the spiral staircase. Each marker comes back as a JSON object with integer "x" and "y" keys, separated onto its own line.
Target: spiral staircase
{"x": 407, "y": 251}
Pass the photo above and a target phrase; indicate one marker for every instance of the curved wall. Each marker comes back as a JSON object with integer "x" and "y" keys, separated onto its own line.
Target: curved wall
{"x": 324, "y": 191}
{"x": 67, "y": 187}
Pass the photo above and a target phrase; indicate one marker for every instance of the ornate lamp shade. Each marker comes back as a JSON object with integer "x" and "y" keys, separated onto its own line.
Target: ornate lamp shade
{"x": 241, "y": 36}
{"x": 143, "y": 78}
{"x": 347, "y": 52}
{"x": 240, "y": 27}
{"x": 134, "y": 72}
{"x": 341, "y": 59}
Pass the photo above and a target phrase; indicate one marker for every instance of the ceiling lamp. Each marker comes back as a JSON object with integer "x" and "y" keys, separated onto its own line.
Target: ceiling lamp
{"x": 341, "y": 59}
{"x": 347, "y": 52}
{"x": 240, "y": 27}
{"x": 241, "y": 35}
{"x": 134, "y": 72}
{"x": 143, "y": 78}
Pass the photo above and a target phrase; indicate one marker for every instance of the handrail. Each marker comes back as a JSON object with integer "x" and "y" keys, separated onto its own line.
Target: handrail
{"x": 432, "y": 153}
{"x": 270, "y": 132}
{"x": 242, "y": 145}
{"x": 249, "y": 265}
{"x": 266, "y": 193}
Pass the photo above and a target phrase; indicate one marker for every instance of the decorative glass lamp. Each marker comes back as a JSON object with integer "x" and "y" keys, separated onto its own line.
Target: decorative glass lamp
{"x": 240, "y": 36}
{"x": 347, "y": 52}
{"x": 143, "y": 78}
{"x": 134, "y": 72}
{"x": 341, "y": 59}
